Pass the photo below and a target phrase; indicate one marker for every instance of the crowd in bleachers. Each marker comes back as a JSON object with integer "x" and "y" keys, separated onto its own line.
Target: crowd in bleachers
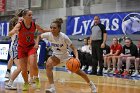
{"x": 119, "y": 58}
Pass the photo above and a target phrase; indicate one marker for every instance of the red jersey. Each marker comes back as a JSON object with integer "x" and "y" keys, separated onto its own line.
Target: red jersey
{"x": 115, "y": 48}
{"x": 26, "y": 35}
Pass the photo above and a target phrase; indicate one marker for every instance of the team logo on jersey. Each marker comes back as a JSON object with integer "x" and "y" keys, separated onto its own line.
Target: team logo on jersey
{"x": 131, "y": 23}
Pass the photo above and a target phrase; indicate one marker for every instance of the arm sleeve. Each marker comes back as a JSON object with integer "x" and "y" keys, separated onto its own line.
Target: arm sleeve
{"x": 67, "y": 40}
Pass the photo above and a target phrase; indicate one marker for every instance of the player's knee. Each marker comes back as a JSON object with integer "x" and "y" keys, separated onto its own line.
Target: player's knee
{"x": 49, "y": 66}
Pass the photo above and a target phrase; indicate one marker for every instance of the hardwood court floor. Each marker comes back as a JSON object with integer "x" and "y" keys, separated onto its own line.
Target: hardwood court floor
{"x": 71, "y": 83}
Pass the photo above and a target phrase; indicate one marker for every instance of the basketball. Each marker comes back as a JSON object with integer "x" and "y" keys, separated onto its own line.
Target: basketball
{"x": 73, "y": 65}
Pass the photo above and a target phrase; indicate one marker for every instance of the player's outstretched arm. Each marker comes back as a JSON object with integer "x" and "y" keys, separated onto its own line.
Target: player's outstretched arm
{"x": 41, "y": 29}
{"x": 14, "y": 30}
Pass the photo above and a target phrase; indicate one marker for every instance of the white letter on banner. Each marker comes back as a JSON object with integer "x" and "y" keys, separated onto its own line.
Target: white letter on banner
{"x": 75, "y": 27}
{"x": 103, "y": 21}
{"x": 115, "y": 24}
{"x": 2, "y": 28}
{"x": 86, "y": 25}
{"x": 7, "y": 29}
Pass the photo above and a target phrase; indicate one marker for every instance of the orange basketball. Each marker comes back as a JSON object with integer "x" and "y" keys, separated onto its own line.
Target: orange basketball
{"x": 73, "y": 65}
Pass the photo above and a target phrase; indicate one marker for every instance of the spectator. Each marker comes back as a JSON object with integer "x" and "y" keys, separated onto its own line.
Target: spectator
{"x": 115, "y": 51}
{"x": 88, "y": 56}
{"x": 128, "y": 55}
{"x": 106, "y": 51}
{"x": 137, "y": 61}
{"x": 98, "y": 38}
{"x": 82, "y": 53}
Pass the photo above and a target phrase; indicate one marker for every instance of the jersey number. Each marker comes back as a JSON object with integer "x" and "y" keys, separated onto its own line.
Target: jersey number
{"x": 28, "y": 39}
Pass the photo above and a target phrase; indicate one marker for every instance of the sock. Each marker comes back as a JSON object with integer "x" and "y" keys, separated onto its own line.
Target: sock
{"x": 35, "y": 77}
{"x": 52, "y": 86}
{"x": 8, "y": 70}
{"x": 113, "y": 69}
{"x": 136, "y": 71}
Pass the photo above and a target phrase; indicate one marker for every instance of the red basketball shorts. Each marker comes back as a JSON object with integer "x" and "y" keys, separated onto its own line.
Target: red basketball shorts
{"x": 26, "y": 51}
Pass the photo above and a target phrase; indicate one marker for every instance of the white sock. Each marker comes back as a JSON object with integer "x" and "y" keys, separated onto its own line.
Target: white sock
{"x": 35, "y": 77}
{"x": 113, "y": 69}
{"x": 52, "y": 86}
{"x": 108, "y": 69}
{"x": 136, "y": 71}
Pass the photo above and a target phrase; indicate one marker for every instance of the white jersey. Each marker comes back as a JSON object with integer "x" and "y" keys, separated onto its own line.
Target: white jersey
{"x": 59, "y": 44}
{"x": 86, "y": 48}
{"x": 13, "y": 47}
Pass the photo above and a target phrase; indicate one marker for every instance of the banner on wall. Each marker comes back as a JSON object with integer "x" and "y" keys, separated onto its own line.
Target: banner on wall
{"x": 2, "y": 5}
{"x": 115, "y": 23}
{"x": 4, "y": 28}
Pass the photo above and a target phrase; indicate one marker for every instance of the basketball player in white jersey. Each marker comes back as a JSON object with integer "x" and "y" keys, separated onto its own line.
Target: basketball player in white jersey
{"x": 60, "y": 43}
{"x": 13, "y": 52}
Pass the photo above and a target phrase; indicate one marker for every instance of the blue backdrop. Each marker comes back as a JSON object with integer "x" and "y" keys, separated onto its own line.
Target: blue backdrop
{"x": 115, "y": 23}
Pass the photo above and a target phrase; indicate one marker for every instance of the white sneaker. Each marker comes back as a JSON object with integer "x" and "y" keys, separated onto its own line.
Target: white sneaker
{"x": 7, "y": 75}
{"x": 50, "y": 90}
{"x": 135, "y": 74}
{"x": 10, "y": 83}
{"x": 83, "y": 67}
{"x": 93, "y": 87}
{"x": 10, "y": 87}
{"x": 89, "y": 69}
{"x": 105, "y": 71}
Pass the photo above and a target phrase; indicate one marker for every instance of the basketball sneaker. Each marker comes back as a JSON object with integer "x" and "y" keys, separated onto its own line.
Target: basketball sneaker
{"x": 93, "y": 87}
{"x": 10, "y": 87}
{"x": 135, "y": 74}
{"x": 125, "y": 73}
{"x": 37, "y": 82}
{"x": 7, "y": 75}
{"x": 50, "y": 90}
{"x": 25, "y": 87}
{"x": 116, "y": 72}
{"x": 89, "y": 69}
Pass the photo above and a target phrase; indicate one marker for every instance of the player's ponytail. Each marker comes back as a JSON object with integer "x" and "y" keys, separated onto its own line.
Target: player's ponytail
{"x": 14, "y": 20}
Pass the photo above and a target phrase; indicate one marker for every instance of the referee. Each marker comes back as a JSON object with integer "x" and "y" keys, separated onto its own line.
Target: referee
{"x": 98, "y": 39}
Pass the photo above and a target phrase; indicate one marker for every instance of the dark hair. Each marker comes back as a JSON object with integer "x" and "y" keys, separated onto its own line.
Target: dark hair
{"x": 128, "y": 39}
{"x": 97, "y": 16}
{"x": 88, "y": 38}
{"x": 58, "y": 21}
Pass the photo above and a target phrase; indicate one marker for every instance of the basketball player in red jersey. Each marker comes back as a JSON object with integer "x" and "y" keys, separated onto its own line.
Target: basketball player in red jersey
{"x": 27, "y": 47}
